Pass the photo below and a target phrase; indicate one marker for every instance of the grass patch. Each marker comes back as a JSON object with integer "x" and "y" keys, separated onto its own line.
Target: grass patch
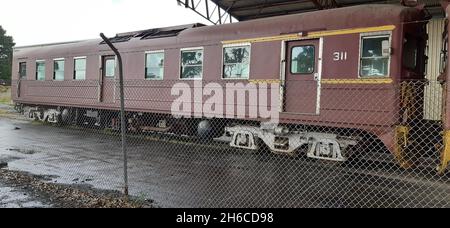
{"x": 5, "y": 95}
{"x": 3, "y": 89}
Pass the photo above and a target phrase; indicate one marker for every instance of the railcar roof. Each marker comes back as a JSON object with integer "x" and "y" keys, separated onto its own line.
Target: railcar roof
{"x": 347, "y": 17}
{"x": 338, "y": 18}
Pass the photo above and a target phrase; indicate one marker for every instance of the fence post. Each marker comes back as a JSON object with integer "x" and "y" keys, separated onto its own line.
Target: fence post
{"x": 122, "y": 112}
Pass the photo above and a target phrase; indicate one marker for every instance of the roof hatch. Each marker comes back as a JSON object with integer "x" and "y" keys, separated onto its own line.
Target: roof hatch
{"x": 152, "y": 33}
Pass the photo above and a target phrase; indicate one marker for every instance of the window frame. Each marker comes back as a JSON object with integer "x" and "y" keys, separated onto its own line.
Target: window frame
{"x": 114, "y": 77}
{"x": 315, "y": 61}
{"x": 75, "y": 69}
{"x": 374, "y": 35}
{"x": 20, "y": 72}
{"x": 163, "y": 67}
{"x": 180, "y": 65}
{"x": 54, "y": 71}
{"x": 249, "y": 60}
{"x": 36, "y": 71}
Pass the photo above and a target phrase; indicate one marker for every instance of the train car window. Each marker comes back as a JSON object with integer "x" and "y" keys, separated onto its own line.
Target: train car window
{"x": 58, "y": 70}
{"x": 375, "y": 56}
{"x": 303, "y": 59}
{"x": 110, "y": 68}
{"x": 80, "y": 69}
{"x": 40, "y": 70}
{"x": 23, "y": 70}
{"x": 154, "y": 66}
{"x": 192, "y": 64}
{"x": 410, "y": 53}
{"x": 236, "y": 62}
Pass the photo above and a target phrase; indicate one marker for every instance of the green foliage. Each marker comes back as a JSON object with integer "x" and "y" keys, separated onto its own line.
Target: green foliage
{"x": 5, "y": 94}
{"x": 192, "y": 64}
{"x": 6, "y": 50}
{"x": 236, "y": 62}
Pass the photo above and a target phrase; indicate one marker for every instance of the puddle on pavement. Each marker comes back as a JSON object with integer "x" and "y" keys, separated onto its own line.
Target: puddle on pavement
{"x": 4, "y": 160}
{"x": 22, "y": 151}
{"x": 13, "y": 198}
{"x": 78, "y": 180}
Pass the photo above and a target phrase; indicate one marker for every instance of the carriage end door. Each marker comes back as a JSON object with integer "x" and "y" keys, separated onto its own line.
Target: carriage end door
{"x": 107, "y": 80}
{"x": 302, "y": 78}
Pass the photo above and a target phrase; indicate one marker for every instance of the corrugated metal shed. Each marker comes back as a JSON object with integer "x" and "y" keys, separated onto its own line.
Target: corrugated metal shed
{"x": 433, "y": 91}
{"x": 251, "y": 9}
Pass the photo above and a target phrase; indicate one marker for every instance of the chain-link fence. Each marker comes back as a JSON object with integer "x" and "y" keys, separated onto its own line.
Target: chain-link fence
{"x": 256, "y": 143}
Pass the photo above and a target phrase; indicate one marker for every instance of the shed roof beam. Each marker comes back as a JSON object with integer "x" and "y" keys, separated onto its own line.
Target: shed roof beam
{"x": 273, "y": 14}
{"x": 267, "y": 5}
{"x": 202, "y": 8}
{"x": 325, "y": 4}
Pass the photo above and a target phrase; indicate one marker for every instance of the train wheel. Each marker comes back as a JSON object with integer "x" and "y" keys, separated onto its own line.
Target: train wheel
{"x": 208, "y": 130}
{"x": 66, "y": 117}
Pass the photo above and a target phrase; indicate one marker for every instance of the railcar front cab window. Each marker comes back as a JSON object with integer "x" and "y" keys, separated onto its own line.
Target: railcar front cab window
{"x": 192, "y": 63}
{"x": 23, "y": 70}
{"x": 154, "y": 65}
{"x": 58, "y": 69}
{"x": 375, "y": 55}
{"x": 40, "y": 70}
{"x": 236, "y": 61}
{"x": 79, "y": 68}
{"x": 303, "y": 59}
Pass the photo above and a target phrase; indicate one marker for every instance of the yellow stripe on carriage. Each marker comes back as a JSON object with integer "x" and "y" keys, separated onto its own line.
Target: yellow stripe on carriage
{"x": 312, "y": 35}
{"x": 358, "y": 81}
{"x": 264, "y": 81}
{"x": 332, "y": 81}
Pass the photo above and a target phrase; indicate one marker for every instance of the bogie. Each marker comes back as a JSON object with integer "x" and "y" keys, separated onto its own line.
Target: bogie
{"x": 243, "y": 135}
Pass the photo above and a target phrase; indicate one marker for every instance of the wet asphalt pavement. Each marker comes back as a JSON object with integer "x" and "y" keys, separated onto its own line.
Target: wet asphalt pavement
{"x": 14, "y": 197}
{"x": 179, "y": 173}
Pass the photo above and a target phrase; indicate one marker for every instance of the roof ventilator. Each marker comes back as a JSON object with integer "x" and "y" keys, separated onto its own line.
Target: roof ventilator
{"x": 152, "y": 33}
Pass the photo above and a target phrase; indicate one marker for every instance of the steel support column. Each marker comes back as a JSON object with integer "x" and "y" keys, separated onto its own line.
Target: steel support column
{"x": 208, "y": 10}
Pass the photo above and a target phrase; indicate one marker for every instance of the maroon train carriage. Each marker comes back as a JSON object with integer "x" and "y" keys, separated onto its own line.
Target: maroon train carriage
{"x": 338, "y": 72}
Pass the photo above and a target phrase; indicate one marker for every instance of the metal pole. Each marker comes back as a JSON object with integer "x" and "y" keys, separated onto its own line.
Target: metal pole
{"x": 122, "y": 113}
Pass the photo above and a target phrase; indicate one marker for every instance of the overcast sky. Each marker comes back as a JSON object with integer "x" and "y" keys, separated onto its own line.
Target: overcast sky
{"x": 46, "y": 21}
